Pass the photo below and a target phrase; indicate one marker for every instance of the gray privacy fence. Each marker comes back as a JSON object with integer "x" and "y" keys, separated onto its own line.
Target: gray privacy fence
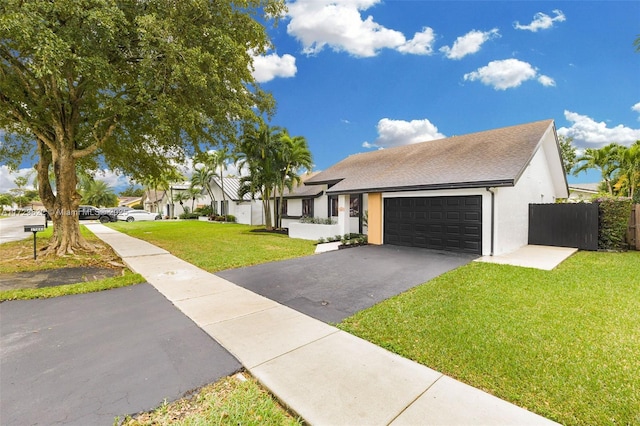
{"x": 564, "y": 225}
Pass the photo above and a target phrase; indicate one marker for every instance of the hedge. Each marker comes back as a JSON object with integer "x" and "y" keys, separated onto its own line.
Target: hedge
{"x": 613, "y": 220}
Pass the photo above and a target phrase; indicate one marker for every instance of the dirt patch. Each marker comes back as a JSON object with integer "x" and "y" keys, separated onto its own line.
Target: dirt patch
{"x": 55, "y": 277}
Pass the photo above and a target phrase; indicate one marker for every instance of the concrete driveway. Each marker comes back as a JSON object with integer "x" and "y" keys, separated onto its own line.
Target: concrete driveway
{"x": 85, "y": 359}
{"x": 332, "y": 286}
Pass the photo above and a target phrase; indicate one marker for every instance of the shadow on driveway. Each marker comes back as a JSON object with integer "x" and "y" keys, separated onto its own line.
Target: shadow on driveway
{"x": 85, "y": 359}
{"x": 335, "y": 285}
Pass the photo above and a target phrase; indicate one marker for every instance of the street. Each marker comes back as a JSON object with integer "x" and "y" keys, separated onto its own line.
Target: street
{"x": 12, "y": 228}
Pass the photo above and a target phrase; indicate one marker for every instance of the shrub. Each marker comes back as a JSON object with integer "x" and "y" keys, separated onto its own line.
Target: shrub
{"x": 203, "y": 211}
{"x": 317, "y": 220}
{"x": 187, "y": 215}
{"x": 613, "y": 220}
{"x": 320, "y": 240}
{"x": 231, "y": 218}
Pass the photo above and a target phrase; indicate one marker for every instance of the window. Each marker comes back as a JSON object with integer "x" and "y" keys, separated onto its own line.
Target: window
{"x": 307, "y": 207}
{"x": 354, "y": 205}
{"x": 224, "y": 207}
{"x": 333, "y": 206}
{"x": 284, "y": 206}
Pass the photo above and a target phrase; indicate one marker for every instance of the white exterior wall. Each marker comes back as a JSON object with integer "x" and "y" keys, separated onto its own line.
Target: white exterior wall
{"x": 512, "y": 204}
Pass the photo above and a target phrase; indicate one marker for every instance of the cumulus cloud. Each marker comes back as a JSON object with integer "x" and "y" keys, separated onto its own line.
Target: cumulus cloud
{"x": 541, "y": 21}
{"x": 507, "y": 74}
{"x": 339, "y": 25}
{"x": 399, "y": 132}
{"x": 268, "y": 67}
{"x": 420, "y": 44}
{"x": 7, "y": 178}
{"x": 469, "y": 43}
{"x": 636, "y": 108}
{"x": 586, "y": 132}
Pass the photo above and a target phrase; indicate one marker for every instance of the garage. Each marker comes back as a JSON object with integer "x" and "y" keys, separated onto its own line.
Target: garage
{"x": 438, "y": 223}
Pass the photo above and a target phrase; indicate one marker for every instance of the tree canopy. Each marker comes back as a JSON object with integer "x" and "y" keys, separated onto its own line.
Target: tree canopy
{"x": 132, "y": 85}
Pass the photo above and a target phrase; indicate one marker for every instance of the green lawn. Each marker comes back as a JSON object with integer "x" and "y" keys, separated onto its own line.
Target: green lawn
{"x": 217, "y": 246}
{"x": 17, "y": 256}
{"x": 562, "y": 343}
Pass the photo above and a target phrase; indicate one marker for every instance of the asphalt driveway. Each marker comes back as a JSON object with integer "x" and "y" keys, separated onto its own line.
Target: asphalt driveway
{"x": 335, "y": 285}
{"x": 85, "y": 359}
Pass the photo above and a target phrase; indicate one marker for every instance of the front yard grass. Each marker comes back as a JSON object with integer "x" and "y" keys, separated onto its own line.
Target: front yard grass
{"x": 17, "y": 257}
{"x": 235, "y": 400}
{"x": 563, "y": 343}
{"x": 217, "y": 246}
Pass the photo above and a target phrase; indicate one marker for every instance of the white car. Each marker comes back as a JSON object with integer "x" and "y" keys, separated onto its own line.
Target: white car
{"x": 136, "y": 215}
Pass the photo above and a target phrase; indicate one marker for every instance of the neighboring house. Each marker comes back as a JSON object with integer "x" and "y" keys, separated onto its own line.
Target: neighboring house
{"x": 468, "y": 193}
{"x": 129, "y": 201}
{"x": 152, "y": 201}
{"x": 246, "y": 210}
{"x": 583, "y": 191}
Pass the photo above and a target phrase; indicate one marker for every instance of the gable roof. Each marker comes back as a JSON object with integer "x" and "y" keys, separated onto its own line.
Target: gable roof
{"x": 485, "y": 159}
{"x": 231, "y": 187}
{"x": 304, "y": 191}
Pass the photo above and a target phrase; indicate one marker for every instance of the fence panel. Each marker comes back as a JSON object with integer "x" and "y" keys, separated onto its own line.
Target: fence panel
{"x": 633, "y": 232}
{"x": 564, "y": 225}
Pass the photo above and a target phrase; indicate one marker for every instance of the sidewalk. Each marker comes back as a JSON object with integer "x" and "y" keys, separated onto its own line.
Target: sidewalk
{"x": 326, "y": 376}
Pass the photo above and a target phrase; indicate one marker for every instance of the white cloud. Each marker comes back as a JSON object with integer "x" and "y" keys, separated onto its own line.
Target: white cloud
{"x": 399, "y": 132}
{"x": 636, "y": 108}
{"x": 469, "y": 43}
{"x": 420, "y": 44}
{"x": 7, "y": 178}
{"x": 541, "y": 21}
{"x": 268, "y": 67}
{"x": 586, "y": 132}
{"x": 339, "y": 25}
{"x": 507, "y": 74}
{"x": 546, "y": 81}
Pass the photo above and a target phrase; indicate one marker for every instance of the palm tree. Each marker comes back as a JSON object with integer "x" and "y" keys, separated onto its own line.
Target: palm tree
{"x": 194, "y": 192}
{"x": 257, "y": 151}
{"x": 605, "y": 159}
{"x": 629, "y": 176}
{"x": 181, "y": 197}
{"x": 293, "y": 155}
{"x": 202, "y": 177}
{"x": 98, "y": 193}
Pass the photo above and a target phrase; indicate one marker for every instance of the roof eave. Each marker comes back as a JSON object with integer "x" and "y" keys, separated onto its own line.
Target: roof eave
{"x": 434, "y": 187}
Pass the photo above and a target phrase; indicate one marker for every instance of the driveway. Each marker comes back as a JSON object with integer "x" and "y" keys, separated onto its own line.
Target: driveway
{"x": 12, "y": 228}
{"x": 335, "y": 285}
{"x": 85, "y": 359}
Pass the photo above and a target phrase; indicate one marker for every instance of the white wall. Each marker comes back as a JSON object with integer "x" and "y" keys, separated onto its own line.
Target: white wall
{"x": 512, "y": 204}
{"x": 311, "y": 231}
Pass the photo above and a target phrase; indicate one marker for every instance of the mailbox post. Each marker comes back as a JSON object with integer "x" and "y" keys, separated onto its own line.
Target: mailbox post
{"x": 34, "y": 229}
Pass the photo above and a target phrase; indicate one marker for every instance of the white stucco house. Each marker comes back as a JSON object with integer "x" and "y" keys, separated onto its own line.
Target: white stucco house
{"x": 246, "y": 210}
{"x": 583, "y": 191}
{"x": 468, "y": 193}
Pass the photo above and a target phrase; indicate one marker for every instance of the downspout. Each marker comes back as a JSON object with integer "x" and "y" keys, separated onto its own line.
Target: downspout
{"x": 493, "y": 203}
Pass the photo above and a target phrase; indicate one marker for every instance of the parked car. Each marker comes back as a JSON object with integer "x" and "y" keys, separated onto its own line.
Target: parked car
{"x": 91, "y": 213}
{"x": 135, "y": 215}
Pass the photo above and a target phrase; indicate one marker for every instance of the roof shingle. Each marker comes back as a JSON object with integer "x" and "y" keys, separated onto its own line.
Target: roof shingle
{"x": 491, "y": 158}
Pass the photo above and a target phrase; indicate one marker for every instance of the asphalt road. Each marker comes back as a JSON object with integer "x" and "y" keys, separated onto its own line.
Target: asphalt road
{"x": 334, "y": 285}
{"x": 85, "y": 359}
{"x": 12, "y": 228}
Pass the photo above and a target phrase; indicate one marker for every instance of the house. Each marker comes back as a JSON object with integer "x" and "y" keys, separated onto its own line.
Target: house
{"x": 152, "y": 201}
{"x": 583, "y": 191}
{"x": 467, "y": 193}
{"x": 129, "y": 201}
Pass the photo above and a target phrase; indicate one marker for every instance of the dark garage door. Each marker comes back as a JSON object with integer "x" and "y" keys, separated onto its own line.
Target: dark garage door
{"x": 439, "y": 223}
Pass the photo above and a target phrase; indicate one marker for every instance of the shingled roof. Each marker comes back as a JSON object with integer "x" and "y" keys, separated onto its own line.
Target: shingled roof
{"x": 491, "y": 158}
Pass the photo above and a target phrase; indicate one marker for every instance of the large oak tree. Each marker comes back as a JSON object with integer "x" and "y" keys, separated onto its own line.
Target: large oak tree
{"x": 133, "y": 85}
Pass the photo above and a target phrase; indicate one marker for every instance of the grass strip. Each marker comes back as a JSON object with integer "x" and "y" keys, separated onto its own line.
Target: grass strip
{"x": 217, "y": 246}
{"x": 127, "y": 279}
{"x": 561, "y": 343}
{"x": 235, "y": 400}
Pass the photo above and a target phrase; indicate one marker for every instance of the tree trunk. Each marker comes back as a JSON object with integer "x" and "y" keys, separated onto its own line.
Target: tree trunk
{"x": 63, "y": 206}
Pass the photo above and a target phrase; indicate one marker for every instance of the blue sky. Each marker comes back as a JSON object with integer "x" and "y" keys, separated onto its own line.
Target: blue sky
{"x": 357, "y": 75}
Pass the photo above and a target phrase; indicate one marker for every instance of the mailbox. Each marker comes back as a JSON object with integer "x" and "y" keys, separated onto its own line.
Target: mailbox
{"x": 34, "y": 229}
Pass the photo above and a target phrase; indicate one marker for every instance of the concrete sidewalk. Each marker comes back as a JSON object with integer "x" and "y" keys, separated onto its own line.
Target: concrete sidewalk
{"x": 325, "y": 375}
